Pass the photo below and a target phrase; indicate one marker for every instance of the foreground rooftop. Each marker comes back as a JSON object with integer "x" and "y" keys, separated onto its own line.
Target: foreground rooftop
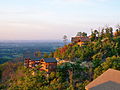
{"x": 108, "y": 80}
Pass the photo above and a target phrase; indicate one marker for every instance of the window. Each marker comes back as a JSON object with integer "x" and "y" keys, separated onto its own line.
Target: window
{"x": 46, "y": 66}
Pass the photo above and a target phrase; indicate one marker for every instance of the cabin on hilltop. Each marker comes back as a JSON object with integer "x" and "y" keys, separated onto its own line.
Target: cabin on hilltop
{"x": 109, "y": 80}
{"x": 80, "y": 40}
{"x": 47, "y": 64}
{"x": 31, "y": 63}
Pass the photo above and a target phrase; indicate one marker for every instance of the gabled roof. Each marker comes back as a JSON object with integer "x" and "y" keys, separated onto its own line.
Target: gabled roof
{"x": 109, "y": 75}
{"x": 50, "y": 60}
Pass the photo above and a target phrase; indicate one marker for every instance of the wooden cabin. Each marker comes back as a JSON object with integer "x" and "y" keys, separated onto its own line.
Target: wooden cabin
{"x": 80, "y": 40}
{"x": 31, "y": 63}
{"x": 47, "y": 64}
{"x": 109, "y": 80}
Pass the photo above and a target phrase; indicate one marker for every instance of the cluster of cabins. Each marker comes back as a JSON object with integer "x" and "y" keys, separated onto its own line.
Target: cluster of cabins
{"x": 50, "y": 64}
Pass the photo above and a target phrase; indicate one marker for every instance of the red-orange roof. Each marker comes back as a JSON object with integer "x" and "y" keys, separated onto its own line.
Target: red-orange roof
{"x": 109, "y": 75}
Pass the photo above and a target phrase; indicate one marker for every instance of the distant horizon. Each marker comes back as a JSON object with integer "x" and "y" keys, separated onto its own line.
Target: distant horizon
{"x": 52, "y": 19}
{"x": 33, "y": 41}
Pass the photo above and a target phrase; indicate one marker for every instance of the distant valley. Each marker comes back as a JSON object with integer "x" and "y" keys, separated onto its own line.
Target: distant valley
{"x": 10, "y": 50}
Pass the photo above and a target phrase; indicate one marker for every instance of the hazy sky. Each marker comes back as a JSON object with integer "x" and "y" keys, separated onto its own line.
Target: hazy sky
{"x": 51, "y": 19}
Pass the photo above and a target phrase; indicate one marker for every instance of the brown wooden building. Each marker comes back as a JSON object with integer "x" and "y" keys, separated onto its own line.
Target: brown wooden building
{"x": 31, "y": 63}
{"x": 80, "y": 40}
{"x": 47, "y": 64}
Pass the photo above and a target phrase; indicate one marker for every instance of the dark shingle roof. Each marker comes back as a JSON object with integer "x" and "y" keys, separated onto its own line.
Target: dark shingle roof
{"x": 50, "y": 60}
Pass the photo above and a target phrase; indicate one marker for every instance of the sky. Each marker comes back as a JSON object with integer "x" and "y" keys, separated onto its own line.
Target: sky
{"x": 52, "y": 19}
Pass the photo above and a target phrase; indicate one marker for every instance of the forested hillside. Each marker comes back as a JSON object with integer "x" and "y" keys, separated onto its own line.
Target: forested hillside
{"x": 85, "y": 63}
